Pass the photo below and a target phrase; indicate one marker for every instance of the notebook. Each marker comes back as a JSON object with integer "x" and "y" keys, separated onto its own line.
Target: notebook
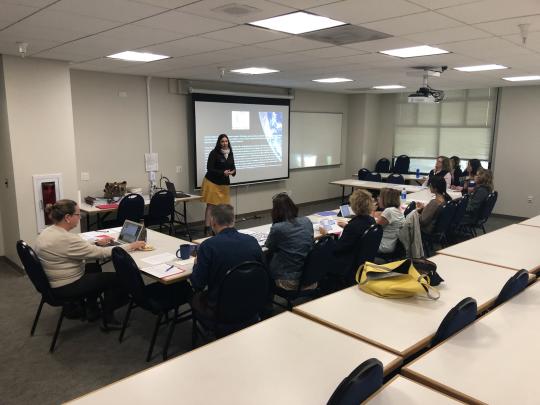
{"x": 178, "y": 194}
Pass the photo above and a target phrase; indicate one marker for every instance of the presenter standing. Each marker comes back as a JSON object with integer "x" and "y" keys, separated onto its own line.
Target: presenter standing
{"x": 219, "y": 167}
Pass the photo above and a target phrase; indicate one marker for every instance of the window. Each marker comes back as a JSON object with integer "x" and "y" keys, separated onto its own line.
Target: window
{"x": 461, "y": 125}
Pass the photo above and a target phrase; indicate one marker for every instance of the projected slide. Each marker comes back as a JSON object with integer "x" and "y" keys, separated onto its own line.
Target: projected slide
{"x": 259, "y": 136}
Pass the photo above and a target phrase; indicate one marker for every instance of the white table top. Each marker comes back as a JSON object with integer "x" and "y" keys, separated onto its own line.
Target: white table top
{"x": 493, "y": 360}
{"x": 514, "y": 246}
{"x": 402, "y": 391}
{"x": 375, "y": 185}
{"x": 425, "y": 196}
{"x": 404, "y": 326}
{"x": 406, "y": 177}
{"x": 286, "y": 359}
{"x": 534, "y": 221}
{"x": 92, "y": 209}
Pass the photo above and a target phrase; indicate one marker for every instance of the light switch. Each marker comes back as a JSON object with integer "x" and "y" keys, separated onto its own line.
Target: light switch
{"x": 85, "y": 176}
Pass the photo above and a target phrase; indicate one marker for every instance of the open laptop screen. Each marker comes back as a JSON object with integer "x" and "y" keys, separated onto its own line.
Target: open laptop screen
{"x": 130, "y": 232}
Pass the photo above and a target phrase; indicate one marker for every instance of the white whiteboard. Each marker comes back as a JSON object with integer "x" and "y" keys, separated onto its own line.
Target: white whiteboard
{"x": 315, "y": 139}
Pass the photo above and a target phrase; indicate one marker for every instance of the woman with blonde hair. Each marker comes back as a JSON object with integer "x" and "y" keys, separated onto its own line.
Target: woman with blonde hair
{"x": 391, "y": 218}
{"x": 442, "y": 169}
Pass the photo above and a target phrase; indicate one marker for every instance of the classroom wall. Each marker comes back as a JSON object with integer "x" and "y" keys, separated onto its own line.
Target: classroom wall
{"x": 110, "y": 121}
{"x": 516, "y": 161}
{"x": 7, "y": 195}
{"x": 41, "y": 137}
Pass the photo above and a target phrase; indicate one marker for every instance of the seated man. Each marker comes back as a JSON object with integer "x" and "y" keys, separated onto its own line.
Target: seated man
{"x": 219, "y": 254}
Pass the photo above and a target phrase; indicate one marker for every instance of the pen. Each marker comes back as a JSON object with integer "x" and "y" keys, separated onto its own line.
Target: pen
{"x": 170, "y": 267}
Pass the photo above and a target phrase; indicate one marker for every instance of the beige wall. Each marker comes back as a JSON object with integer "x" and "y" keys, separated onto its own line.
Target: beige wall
{"x": 111, "y": 139}
{"x": 516, "y": 162}
{"x": 40, "y": 120}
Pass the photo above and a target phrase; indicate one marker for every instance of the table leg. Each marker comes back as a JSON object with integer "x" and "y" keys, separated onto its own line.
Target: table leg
{"x": 186, "y": 222}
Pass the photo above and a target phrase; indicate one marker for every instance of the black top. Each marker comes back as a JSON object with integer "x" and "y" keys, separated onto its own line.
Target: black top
{"x": 216, "y": 165}
{"x": 456, "y": 175}
{"x": 348, "y": 245}
{"x": 442, "y": 173}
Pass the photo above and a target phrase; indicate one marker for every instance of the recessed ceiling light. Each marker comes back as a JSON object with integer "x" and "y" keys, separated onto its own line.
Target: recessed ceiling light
{"x": 297, "y": 23}
{"x": 479, "y": 68}
{"x": 389, "y": 87}
{"x": 332, "y": 80}
{"x": 521, "y": 78}
{"x": 253, "y": 71}
{"x": 138, "y": 56}
{"x": 422, "y": 50}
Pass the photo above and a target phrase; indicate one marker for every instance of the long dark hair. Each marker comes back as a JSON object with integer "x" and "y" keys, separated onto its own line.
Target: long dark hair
{"x": 475, "y": 165}
{"x": 217, "y": 148}
{"x": 283, "y": 208}
{"x": 438, "y": 184}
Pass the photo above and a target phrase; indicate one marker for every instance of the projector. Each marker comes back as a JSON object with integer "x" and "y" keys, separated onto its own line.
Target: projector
{"x": 426, "y": 95}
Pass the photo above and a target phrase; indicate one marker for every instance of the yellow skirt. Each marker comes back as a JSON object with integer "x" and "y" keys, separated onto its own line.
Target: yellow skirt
{"x": 215, "y": 194}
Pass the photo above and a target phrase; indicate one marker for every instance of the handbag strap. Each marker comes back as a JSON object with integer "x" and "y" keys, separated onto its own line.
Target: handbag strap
{"x": 429, "y": 288}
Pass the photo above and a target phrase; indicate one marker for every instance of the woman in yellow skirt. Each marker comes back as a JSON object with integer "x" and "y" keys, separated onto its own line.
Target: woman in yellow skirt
{"x": 219, "y": 167}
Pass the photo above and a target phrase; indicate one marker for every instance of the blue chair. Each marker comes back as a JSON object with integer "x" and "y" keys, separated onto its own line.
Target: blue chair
{"x": 395, "y": 178}
{"x": 363, "y": 381}
{"x": 401, "y": 164}
{"x": 457, "y": 318}
{"x": 161, "y": 211}
{"x": 441, "y": 228}
{"x": 373, "y": 177}
{"x": 368, "y": 246}
{"x": 382, "y": 166}
{"x": 410, "y": 208}
{"x": 362, "y": 173}
{"x": 131, "y": 207}
{"x": 459, "y": 214}
{"x": 485, "y": 212}
{"x": 515, "y": 284}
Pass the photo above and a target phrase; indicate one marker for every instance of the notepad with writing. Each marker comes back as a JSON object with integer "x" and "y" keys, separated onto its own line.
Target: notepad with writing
{"x": 162, "y": 270}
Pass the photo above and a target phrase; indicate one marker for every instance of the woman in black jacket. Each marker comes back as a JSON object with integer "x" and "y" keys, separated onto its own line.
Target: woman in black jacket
{"x": 219, "y": 167}
{"x": 484, "y": 186}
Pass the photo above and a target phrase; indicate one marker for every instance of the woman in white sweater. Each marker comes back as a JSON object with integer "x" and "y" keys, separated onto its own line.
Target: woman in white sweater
{"x": 64, "y": 254}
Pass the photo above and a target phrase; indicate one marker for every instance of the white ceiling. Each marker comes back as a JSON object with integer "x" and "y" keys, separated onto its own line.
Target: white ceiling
{"x": 202, "y": 39}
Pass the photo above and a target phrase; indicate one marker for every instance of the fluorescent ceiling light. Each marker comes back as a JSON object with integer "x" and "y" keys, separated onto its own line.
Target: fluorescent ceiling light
{"x": 138, "y": 56}
{"x": 253, "y": 71}
{"x": 389, "y": 87}
{"x": 479, "y": 68}
{"x": 297, "y": 23}
{"x": 423, "y": 50}
{"x": 521, "y": 78}
{"x": 332, "y": 80}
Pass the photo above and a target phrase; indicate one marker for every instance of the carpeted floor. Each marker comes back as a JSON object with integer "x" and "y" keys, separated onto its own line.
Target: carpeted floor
{"x": 85, "y": 358}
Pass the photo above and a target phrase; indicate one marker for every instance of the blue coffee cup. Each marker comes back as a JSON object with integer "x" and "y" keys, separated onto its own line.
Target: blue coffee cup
{"x": 185, "y": 251}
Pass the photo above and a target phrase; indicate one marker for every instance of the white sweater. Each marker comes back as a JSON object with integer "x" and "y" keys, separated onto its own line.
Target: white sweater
{"x": 63, "y": 255}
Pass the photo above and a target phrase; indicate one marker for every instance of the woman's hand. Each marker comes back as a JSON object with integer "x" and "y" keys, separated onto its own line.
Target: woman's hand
{"x": 322, "y": 230}
{"x": 342, "y": 223}
{"x": 104, "y": 241}
{"x": 137, "y": 245}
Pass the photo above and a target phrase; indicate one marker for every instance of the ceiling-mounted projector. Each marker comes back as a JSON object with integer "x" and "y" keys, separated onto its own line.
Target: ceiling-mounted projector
{"x": 426, "y": 94}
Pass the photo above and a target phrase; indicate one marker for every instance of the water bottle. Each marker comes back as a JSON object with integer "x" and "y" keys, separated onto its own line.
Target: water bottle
{"x": 417, "y": 173}
{"x": 403, "y": 194}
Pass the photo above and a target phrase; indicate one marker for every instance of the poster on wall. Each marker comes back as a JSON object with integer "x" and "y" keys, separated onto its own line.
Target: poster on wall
{"x": 47, "y": 190}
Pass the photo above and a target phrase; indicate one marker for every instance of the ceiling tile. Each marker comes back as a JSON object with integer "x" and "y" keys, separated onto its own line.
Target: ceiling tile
{"x": 533, "y": 40}
{"x": 510, "y": 26}
{"x": 265, "y": 9}
{"x": 170, "y": 4}
{"x": 332, "y": 52}
{"x": 245, "y": 34}
{"x": 383, "y": 44}
{"x": 183, "y": 23}
{"x": 103, "y": 64}
{"x": 302, "y": 4}
{"x": 364, "y": 61}
{"x": 188, "y": 46}
{"x": 293, "y": 44}
{"x": 69, "y": 22}
{"x": 137, "y": 36}
{"x": 11, "y": 13}
{"x": 491, "y": 10}
{"x": 462, "y": 33}
{"x": 436, "y": 4}
{"x": 356, "y": 12}
{"x": 116, "y": 10}
{"x": 10, "y": 47}
{"x": 485, "y": 48}
{"x": 411, "y": 24}
{"x": 31, "y": 3}
{"x": 25, "y": 32}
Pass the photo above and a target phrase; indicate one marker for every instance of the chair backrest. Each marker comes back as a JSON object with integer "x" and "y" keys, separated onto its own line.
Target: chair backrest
{"x": 410, "y": 208}
{"x": 373, "y": 177}
{"x": 401, "y": 164}
{"x": 363, "y": 173}
{"x": 161, "y": 204}
{"x": 461, "y": 209}
{"x": 315, "y": 267}
{"x": 368, "y": 246}
{"x": 382, "y": 166}
{"x": 130, "y": 276}
{"x": 515, "y": 284}
{"x": 34, "y": 270}
{"x": 457, "y": 318}
{"x": 487, "y": 208}
{"x": 395, "y": 178}
{"x": 359, "y": 385}
{"x": 243, "y": 292}
{"x": 131, "y": 207}
{"x": 444, "y": 218}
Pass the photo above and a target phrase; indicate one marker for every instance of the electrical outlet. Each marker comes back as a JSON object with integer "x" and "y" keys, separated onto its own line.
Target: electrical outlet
{"x": 178, "y": 169}
{"x": 85, "y": 176}
{"x": 530, "y": 199}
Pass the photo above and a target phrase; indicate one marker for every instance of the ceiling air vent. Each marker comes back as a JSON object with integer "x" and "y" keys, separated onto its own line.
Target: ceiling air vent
{"x": 345, "y": 34}
{"x": 236, "y": 9}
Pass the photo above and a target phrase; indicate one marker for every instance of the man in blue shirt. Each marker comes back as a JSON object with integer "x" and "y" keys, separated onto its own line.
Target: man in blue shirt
{"x": 219, "y": 254}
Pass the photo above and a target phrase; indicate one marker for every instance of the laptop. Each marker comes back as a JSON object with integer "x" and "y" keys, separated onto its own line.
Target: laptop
{"x": 131, "y": 232}
{"x": 346, "y": 211}
{"x": 178, "y": 194}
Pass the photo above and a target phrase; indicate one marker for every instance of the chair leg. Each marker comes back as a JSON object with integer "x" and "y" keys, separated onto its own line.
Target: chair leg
{"x": 172, "y": 325}
{"x": 483, "y": 229}
{"x": 57, "y": 331}
{"x": 154, "y": 336}
{"x": 126, "y": 320}
{"x": 193, "y": 333}
{"x": 36, "y": 318}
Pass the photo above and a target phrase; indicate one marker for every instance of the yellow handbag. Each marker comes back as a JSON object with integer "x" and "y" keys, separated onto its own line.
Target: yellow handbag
{"x": 394, "y": 280}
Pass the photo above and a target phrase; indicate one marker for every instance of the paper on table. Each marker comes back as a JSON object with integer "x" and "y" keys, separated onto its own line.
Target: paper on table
{"x": 162, "y": 270}
{"x": 158, "y": 259}
{"x": 92, "y": 235}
